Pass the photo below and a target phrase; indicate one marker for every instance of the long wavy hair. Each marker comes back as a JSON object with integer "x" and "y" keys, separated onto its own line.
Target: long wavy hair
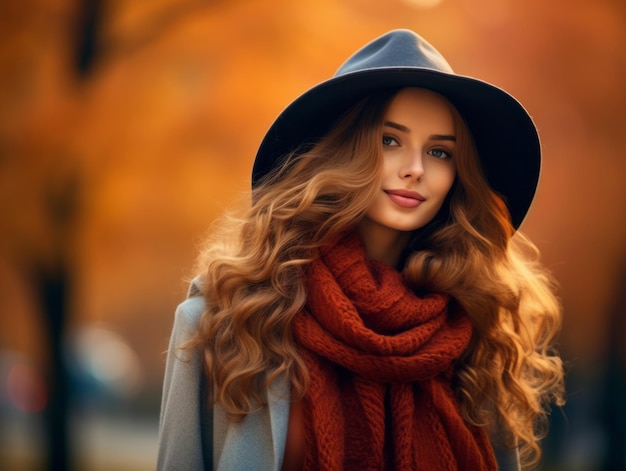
{"x": 253, "y": 266}
{"x": 511, "y": 374}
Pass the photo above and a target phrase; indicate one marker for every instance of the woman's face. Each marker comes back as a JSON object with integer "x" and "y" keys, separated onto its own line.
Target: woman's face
{"x": 418, "y": 166}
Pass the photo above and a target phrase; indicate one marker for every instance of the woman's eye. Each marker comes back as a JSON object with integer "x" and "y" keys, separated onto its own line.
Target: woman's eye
{"x": 389, "y": 141}
{"x": 440, "y": 153}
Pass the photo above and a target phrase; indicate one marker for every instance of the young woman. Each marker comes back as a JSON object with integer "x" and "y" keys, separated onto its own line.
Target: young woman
{"x": 374, "y": 307}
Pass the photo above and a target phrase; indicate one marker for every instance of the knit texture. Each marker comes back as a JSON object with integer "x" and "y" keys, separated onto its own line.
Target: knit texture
{"x": 381, "y": 361}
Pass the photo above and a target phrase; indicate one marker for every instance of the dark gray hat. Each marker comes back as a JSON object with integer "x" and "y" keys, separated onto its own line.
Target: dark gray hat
{"x": 504, "y": 133}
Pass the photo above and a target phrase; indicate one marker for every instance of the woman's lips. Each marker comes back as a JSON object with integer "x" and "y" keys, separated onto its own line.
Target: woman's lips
{"x": 405, "y": 198}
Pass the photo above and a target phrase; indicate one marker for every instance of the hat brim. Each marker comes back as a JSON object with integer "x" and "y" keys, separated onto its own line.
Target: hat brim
{"x": 504, "y": 133}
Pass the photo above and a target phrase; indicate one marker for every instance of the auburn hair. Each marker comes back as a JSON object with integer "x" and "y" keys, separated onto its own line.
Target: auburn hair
{"x": 253, "y": 268}
{"x": 510, "y": 374}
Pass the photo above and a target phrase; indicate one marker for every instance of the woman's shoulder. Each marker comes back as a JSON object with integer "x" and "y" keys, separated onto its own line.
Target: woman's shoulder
{"x": 189, "y": 311}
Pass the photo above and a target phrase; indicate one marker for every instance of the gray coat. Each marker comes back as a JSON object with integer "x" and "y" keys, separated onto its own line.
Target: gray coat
{"x": 257, "y": 443}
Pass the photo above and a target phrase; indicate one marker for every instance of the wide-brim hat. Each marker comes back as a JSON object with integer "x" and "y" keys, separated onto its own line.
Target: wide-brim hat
{"x": 504, "y": 133}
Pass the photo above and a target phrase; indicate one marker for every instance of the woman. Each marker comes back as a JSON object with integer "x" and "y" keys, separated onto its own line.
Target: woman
{"x": 374, "y": 307}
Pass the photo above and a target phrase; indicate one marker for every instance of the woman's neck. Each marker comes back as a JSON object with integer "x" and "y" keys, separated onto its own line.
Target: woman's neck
{"x": 382, "y": 243}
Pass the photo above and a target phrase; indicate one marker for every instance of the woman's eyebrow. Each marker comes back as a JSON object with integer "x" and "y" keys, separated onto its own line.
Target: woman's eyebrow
{"x": 399, "y": 127}
{"x": 434, "y": 137}
{"x": 442, "y": 137}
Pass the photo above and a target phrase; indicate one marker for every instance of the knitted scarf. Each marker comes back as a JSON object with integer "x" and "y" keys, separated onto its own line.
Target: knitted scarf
{"x": 381, "y": 361}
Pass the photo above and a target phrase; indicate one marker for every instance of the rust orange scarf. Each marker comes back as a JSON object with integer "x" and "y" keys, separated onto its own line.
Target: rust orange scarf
{"x": 381, "y": 361}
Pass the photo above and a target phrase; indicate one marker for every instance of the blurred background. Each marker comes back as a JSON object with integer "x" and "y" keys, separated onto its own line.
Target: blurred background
{"x": 127, "y": 126}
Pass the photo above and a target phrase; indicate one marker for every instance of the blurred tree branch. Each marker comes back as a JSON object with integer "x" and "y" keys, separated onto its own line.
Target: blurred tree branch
{"x": 98, "y": 42}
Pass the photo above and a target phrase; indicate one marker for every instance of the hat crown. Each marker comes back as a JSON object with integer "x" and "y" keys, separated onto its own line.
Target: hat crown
{"x": 398, "y": 48}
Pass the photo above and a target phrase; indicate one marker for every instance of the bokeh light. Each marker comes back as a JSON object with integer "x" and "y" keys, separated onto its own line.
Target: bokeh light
{"x": 103, "y": 360}
{"x": 26, "y": 388}
{"x": 423, "y": 3}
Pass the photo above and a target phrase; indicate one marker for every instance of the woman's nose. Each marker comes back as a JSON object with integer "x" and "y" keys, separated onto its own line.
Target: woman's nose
{"x": 413, "y": 166}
